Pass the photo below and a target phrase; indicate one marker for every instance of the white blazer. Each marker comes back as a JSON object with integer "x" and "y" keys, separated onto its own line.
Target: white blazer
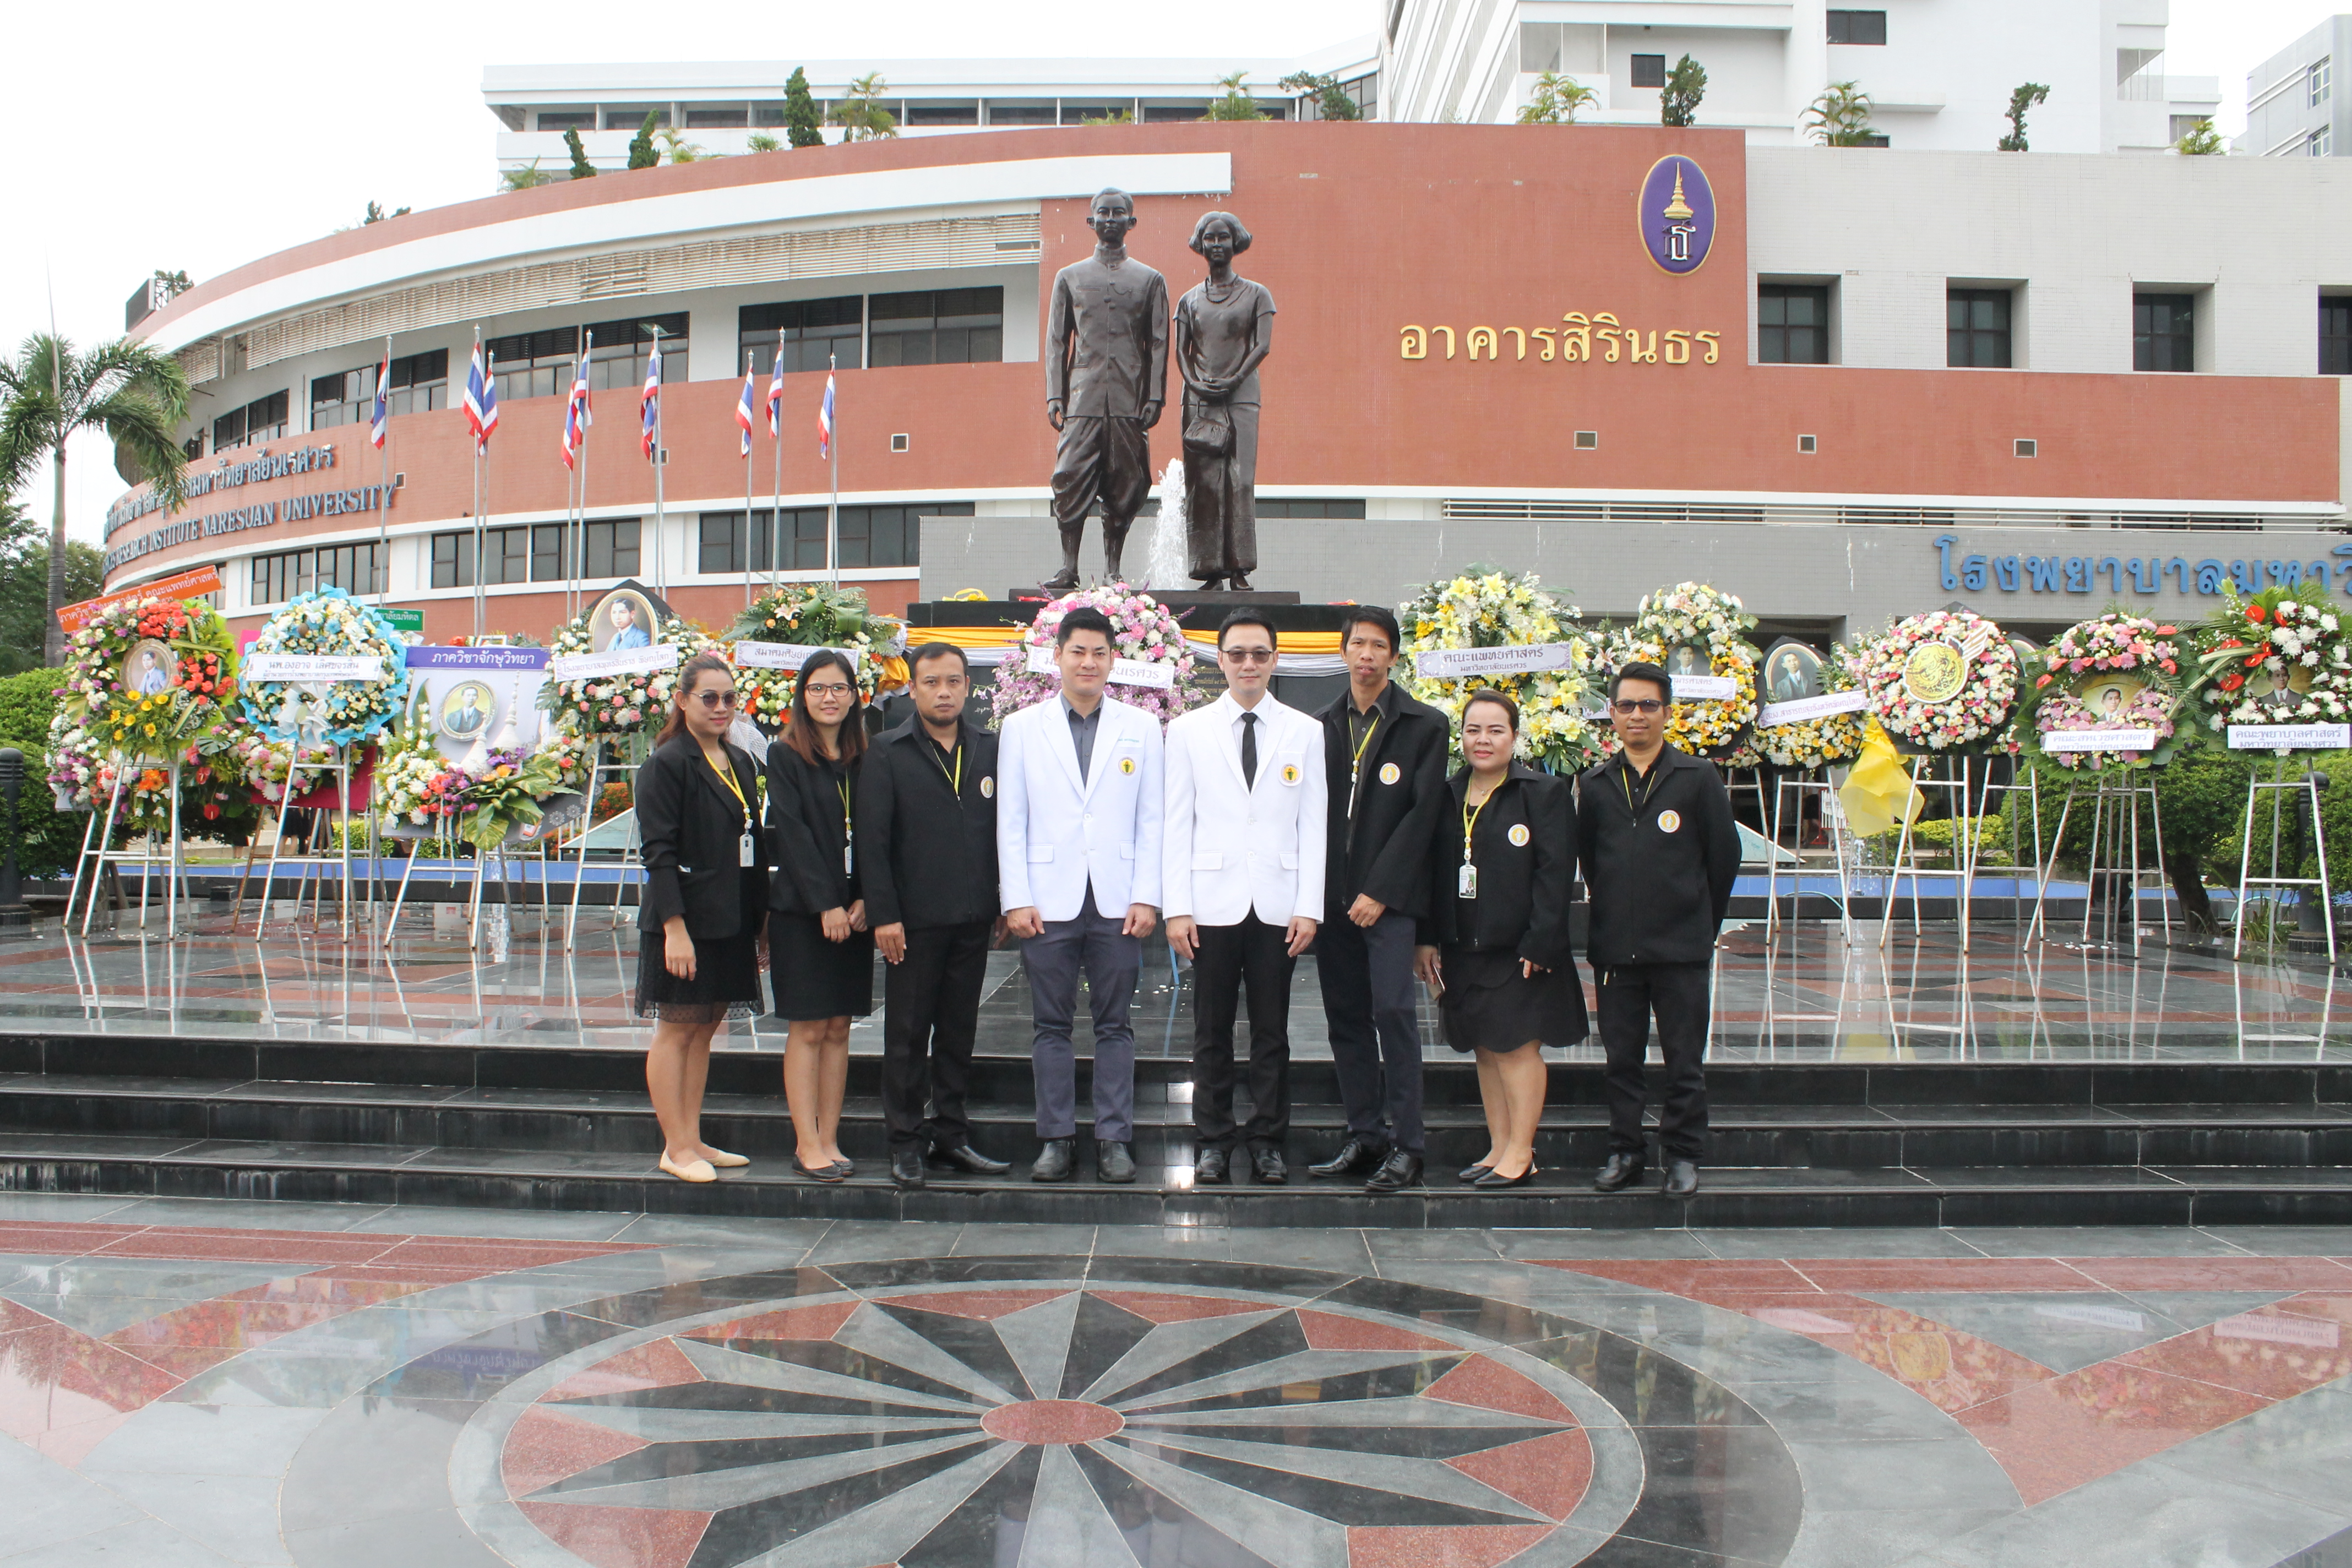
{"x": 1231, "y": 848}
{"x": 1055, "y": 831}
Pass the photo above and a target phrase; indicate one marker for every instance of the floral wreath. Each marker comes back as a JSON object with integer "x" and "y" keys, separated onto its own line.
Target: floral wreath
{"x": 2116, "y": 643}
{"x": 101, "y": 725}
{"x": 1484, "y": 607}
{"x": 1695, "y": 614}
{"x": 811, "y": 615}
{"x": 330, "y": 622}
{"x": 1831, "y": 739}
{"x": 1978, "y": 710}
{"x": 2250, "y": 652}
{"x": 416, "y": 787}
{"x": 279, "y": 771}
{"x": 622, "y": 707}
{"x": 1141, "y": 629}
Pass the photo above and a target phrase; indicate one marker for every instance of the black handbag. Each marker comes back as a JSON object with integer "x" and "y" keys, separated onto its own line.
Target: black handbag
{"x": 1208, "y": 432}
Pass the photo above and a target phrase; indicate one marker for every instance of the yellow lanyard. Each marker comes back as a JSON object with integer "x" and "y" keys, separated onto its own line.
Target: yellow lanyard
{"x": 846, "y": 828}
{"x": 1625, "y": 777}
{"x": 1470, "y": 819}
{"x": 1355, "y": 764}
{"x": 955, "y": 779}
{"x": 726, "y": 777}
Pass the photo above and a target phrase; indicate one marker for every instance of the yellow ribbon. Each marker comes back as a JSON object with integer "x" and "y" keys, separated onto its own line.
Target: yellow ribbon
{"x": 1877, "y": 793}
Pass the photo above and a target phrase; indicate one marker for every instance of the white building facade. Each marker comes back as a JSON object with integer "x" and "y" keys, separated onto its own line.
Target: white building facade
{"x": 2294, "y": 108}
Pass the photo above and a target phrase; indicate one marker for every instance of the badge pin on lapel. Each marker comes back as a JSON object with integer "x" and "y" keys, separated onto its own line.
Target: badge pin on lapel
{"x": 1669, "y": 821}
{"x": 1390, "y": 772}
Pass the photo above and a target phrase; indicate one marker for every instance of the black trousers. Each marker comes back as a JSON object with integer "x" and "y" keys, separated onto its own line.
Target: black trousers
{"x": 1256, "y": 955}
{"x": 930, "y": 1012}
{"x": 1371, "y": 1011}
{"x": 1677, "y": 993}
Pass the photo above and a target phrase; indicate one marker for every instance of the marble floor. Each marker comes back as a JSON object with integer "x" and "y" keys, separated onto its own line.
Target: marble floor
{"x": 186, "y": 1381}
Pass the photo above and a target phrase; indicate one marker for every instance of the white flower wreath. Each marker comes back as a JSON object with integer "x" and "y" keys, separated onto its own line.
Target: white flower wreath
{"x": 1696, "y": 615}
{"x": 1947, "y": 680}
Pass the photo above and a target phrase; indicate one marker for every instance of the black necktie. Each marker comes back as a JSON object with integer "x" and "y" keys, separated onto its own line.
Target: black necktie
{"x": 1249, "y": 749}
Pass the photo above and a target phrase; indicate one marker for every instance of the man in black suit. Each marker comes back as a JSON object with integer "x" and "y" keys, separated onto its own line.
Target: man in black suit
{"x": 927, "y": 841}
{"x": 1659, "y": 847}
{"x": 1384, "y": 766}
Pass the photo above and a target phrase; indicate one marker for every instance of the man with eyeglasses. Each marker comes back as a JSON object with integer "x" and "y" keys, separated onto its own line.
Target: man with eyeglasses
{"x": 1242, "y": 883}
{"x": 1659, "y": 847}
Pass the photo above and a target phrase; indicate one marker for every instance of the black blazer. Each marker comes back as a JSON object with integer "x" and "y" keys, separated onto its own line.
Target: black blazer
{"x": 804, "y": 801}
{"x": 1658, "y": 893}
{"x": 1526, "y": 855}
{"x": 929, "y": 853}
{"x": 1385, "y": 850}
{"x": 690, "y": 827}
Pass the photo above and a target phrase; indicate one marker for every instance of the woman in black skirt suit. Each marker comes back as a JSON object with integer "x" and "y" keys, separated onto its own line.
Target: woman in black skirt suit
{"x": 1495, "y": 951}
{"x": 817, "y": 938}
{"x": 706, "y": 894}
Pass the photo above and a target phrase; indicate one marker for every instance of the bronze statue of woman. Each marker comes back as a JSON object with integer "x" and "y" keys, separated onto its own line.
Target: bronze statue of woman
{"x": 1223, "y": 331}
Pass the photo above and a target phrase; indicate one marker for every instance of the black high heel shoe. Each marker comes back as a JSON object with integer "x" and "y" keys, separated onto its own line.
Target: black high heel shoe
{"x": 1491, "y": 1182}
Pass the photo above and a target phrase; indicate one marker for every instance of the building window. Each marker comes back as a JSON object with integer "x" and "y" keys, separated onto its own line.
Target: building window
{"x": 2335, "y": 336}
{"x": 610, "y": 548}
{"x": 1792, "y": 324}
{"x": 966, "y": 112}
{"x": 1308, "y": 507}
{"x": 354, "y": 568}
{"x": 1649, "y": 71}
{"x": 2185, "y": 124}
{"x": 631, "y": 116}
{"x": 2322, "y": 142}
{"x": 1976, "y": 328}
{"x": 1857, "y": 26}
{"x": 2323, "y": 80}
{"x": 1019, "y": 113}
{"x": 809, "y": 330}
{"x": 1172, "y": 113}
{"x": 567, "y": 119}
{"x": 619, "y": 353}
{"x": 534, "y": 554}
{"x": 717, "y": 116}
{"x": 942, "y": 326}
{"x": 2164, "y": 332}
{"x": 263, "y": 419}
{"x": 420, "y": 382}
{"x": 871, "y": 536}
{"x": 534, "y": 364}
{"x": 341, "y": 399}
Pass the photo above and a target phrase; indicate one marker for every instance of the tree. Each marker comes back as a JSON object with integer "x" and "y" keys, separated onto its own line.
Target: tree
{"x": 802, "y": 119}
{"x": 679, "y": 148}
{"x": 582, "y": 169}
{"x": 528, "y": 177}
{"x": 24, "y": 590}
{"x": 48, "y": 840}
{"x": 1237, "y": 103}
{"x": 862, "y": 114}
{"x": 136, "y": 394}
{"x": 760, "y": 141}
{"x": 1109, "y": 117}
{"x": 2021, "y": 99}
{"x": 172, "y": 285}
{"x": 1557, "y": 99}
{"x": 1840, "y": 116}
{"x": 640, "y": 146}
{"x": 1686, "y": 85}
{"x": 375, "y": 213}
{"x": 1331, "y": 100}
{"x": 2201, "y": 142}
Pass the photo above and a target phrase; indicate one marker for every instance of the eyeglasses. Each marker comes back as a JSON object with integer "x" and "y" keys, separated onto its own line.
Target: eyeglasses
{"x": 831, "y": 688}
{"x": 1248, "y": 655}
{"x": 716, "y": 698}
{"x": 1637, "y": 705}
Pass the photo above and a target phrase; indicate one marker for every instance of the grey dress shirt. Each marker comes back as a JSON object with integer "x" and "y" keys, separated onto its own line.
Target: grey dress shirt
{"x": 1082, "y": 733}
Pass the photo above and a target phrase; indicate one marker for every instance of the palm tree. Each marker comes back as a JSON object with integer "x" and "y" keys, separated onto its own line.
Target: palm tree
{"x": 1556, "y": 100}
{"x": 1237, "y": 104}
{"x": 862, "y": 113}
{"x": 1840, "y": 117}
{"x": 136, "y": 394}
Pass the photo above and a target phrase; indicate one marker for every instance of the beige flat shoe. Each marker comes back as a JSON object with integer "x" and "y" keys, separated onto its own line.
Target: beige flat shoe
{"x": 692, "y": 1171}
{"x": 724, "y": 1161}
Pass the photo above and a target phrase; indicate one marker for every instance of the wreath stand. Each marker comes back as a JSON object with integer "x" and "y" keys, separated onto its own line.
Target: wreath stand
{"x": 1788, "y": 803}
{"x": 90, "y": 867}
{"x": 1967, "y": 841}
{"x": 456, "y": 867}
{"x": 631, "y": 851}
{"x": 309, "y": 866}
{"x": 2114, "y": 845}
{"x": 2278, "y": 786}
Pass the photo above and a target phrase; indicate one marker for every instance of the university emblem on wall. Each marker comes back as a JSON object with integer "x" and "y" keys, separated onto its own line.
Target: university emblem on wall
{"x": 1677, "y": 215}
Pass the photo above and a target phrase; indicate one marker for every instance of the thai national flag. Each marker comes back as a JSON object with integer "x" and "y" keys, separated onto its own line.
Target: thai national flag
{"x": 381, "y": 419}
{"x": 576, "y": 418}
{"x": 824, "y": 420}
{"x": 776, "y": 392}
{"x": 743, "y": 412}
{"x": 649, "y": 401}
{"x": 481, "y": 402}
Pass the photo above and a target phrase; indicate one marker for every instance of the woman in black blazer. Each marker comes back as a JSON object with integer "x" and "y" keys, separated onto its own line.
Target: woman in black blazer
{"x": 817, "y": 937}
{"x": 705, "y": 893}
{"x": 1494, "y": 950}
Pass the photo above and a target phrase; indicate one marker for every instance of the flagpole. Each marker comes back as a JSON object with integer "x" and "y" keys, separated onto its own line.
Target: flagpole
{"x": 748, "y": 422}
{"x": 661, "y": 525}
{"x": 832, "y": 510}
{"x": 481, "y": 451}
{"x": 580, "y": 534}
{"x": 481, "y": 528}
{"x": 776, "y": 502}
{"x": 384, "y": 481}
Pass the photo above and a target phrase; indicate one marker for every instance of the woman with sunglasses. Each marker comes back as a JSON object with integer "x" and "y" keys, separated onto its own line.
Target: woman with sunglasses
{"x": 1496, "y": 949}
{"x": 817, "y": 937}
{"x": 706, "y": 894}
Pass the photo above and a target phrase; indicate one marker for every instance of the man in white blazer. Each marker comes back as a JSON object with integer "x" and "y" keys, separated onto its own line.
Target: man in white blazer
{"x": 1243, "y": 886}
{"x": 1077, "y": 857}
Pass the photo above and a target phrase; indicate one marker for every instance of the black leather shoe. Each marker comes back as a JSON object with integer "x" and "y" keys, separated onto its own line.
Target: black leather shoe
{"x": 1682, "y": 1178}
{"x": 1356, "y": 1155}
{"x": 964, "y": 1156}
{"x": 1621, "y": 1172}
{"x": 1112, "y": 1162}
{"x": 1397, "y": 1172}
{"x": 817, "y": 1173}
{"x": 1469, "y": 1174}
{"x": 1209, "y": 1169}
{"x": 1271, "y": 1171}
{"x": 1494, "y": 1181}
{"x": 907, "y": 1168}
{"x": 1056, "y": 1161}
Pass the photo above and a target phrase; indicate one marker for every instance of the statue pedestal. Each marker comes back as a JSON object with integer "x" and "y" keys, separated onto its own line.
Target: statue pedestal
{"x": 1204, "y": 611}
{"x": 1182, "y": 599}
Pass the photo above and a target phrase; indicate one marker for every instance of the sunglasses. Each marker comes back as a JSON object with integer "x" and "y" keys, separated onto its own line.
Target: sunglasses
{"x": 716, "y": 698}
{"x": 1248, "y": 655}
{"x": 1637, "y": 705}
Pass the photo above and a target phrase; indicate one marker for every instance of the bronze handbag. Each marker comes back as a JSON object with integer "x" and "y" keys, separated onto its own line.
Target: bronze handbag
{"x": 1208, "y": 431}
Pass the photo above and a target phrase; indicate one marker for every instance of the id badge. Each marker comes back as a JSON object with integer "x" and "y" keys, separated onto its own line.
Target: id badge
{"x": 1465, "y": 883}
{"x": 849, "y": 859}
{"x": 743, "y": 853}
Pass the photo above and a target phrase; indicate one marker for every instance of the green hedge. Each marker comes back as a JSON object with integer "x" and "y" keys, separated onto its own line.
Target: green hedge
{"x": 51, "y": 839}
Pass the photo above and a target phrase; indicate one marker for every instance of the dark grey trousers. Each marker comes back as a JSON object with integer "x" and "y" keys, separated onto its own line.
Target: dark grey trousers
{"x": 1370, "y": 1008}
{"x": 1053, "y": 960}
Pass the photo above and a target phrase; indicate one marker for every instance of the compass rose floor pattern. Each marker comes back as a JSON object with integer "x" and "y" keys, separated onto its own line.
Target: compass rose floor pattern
{"x": 342, "y": 1386}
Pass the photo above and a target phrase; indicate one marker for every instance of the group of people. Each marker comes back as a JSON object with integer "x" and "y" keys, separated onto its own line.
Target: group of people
{"x": 1254, "y": 831}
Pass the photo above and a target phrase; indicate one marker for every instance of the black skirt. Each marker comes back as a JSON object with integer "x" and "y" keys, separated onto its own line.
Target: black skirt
{"x": 726, "y": 983}
{"x": 1489, "y": 1005}
{"x": 815, "y": 978}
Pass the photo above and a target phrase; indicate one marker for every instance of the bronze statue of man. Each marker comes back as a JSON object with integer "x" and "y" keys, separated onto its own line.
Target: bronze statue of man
{"x": 1106, "y": 378}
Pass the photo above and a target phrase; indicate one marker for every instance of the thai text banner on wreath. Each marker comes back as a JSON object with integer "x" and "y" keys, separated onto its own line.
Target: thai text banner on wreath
{"x": 2082, "y": 574}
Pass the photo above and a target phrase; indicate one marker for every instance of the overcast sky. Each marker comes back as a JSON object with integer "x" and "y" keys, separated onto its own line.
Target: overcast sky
{"x": 197, "y": 138}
